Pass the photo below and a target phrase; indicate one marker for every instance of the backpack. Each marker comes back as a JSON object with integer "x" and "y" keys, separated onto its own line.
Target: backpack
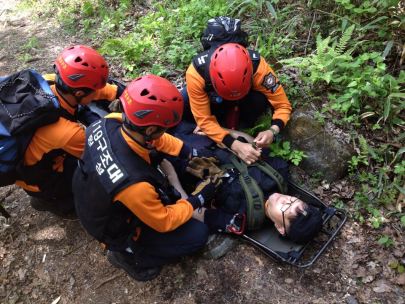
{"x": 221, "y": 30}
{"x": 26, "y": 104}
{"x": 247, "y": 187}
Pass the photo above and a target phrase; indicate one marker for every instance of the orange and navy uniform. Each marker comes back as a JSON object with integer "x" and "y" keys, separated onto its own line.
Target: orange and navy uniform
{"x": 64, "y": 134}
{"x": 142, "y": 198}
{"x": 264, "y": 81}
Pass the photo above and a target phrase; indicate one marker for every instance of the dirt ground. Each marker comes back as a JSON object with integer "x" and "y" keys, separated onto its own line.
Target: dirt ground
{"x": 47, "y": 259}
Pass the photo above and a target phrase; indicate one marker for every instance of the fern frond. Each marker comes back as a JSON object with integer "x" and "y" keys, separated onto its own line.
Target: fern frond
{"x": 341, "y": 46}
{"x": 321, "y": 48}
{"x": 363, "y": 145}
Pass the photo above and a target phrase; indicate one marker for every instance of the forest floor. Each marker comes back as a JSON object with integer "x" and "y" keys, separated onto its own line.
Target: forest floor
{"x": 48, "y": 259}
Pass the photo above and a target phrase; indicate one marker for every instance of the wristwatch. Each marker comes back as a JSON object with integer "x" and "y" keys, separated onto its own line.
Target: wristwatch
{"x": 277, "y": 137}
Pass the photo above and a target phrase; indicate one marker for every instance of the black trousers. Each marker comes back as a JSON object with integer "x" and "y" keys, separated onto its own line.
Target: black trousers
{"x": 155, "y": 248}
{"x": 56, "y": 187}
{"x": 251, "y": 107}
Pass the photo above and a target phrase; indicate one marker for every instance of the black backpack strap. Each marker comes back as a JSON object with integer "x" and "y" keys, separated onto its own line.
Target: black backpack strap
{"x": 208, "y": 83}
{"x": 65, "y": 114}
{"x": 270, "y": 171}
{"x": 255, "y": 57}
{"x": 254, "y": 195}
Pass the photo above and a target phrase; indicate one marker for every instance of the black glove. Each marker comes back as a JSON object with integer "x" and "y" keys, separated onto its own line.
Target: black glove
{"x": 206, "y": 189}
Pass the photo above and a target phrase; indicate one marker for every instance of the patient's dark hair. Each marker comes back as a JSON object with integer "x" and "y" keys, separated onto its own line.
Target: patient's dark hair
{"x": 293, "y": 217}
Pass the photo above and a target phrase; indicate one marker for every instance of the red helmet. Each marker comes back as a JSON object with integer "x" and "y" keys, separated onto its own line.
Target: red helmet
{"x": 231, "y": 71}
{"x": 82, "y": 67}
{"x": 152, "y": 100}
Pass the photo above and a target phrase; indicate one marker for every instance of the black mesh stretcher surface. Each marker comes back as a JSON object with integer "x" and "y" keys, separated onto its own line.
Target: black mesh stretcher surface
{"x": 267, "y": 239}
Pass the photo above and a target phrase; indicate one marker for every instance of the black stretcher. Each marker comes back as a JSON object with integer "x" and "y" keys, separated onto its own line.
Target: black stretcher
{"x": 267, "y": 238}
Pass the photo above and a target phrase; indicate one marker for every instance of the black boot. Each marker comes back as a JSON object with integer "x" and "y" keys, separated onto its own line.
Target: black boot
{"x": 126, "y": 261}
{"x": 49, "y": 205}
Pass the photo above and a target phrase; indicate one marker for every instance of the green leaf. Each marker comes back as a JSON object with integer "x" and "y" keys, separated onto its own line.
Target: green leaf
{"x": 271, "y": 9}
{"x": 344, "y": 24}
{"x": 368, "y": 25}
{"x": 352, "y": 84}
{"x": 401, "y": 269}
{"x": 400, "y": 189}
{"x": 400, "y": 95}
{"x": 394, "y": 265}
{"x": 388, "y": 48}
{"x": 387, "y": 107}
{"x": 403, "y": 220}
{"x": 383, "y": 240}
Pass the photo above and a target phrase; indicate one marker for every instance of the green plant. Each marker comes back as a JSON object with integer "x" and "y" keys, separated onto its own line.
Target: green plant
{"x": 320, "y": 65}
{"x": 362, "y": 82}
{"x": 262, "y": 124}
{"x": 172, "y": 26}
{"x": 387, "y": 241}
{"x": 24, "y": 58}
{"x": 358, "y": 216}
{"x": 398, "y": 267}
{"x": 33, "y": 43}
{"x": 283, "y": 149}
{"x": 318, "y": 176}
{"x": 338, "y": 204}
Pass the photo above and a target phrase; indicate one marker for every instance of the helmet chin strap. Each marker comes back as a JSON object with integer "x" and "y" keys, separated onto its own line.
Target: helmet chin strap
{"x": 141, "y": 130}
{"x": 148, "y": 138}
{"x": 79, "y": 98}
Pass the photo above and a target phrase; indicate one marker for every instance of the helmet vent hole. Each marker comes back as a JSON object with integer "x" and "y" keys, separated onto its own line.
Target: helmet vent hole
{"x": 220, "y": 76}
{"x": 175, "y": 99}
{"x": 152, "y": 97}
{"x": 164, "y": 101}
{"x": 144, "y": 92}
{"x": 85, "y": 64}
{"x": 78, "y": 59}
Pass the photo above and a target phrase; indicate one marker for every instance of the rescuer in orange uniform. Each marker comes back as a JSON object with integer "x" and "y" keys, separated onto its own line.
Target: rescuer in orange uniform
{"x": 239, "y": 87}
{"x": 122, "y": 197}
{"x": 51, "y": 157}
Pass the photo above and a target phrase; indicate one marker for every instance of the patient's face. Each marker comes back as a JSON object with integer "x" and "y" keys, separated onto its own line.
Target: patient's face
{"x": 273, "y": 211}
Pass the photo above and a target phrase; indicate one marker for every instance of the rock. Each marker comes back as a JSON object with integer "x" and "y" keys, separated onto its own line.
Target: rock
{"x": 218, "y": 245}
{"x": 351, "y": 300}
{"x": 326, "y": 153}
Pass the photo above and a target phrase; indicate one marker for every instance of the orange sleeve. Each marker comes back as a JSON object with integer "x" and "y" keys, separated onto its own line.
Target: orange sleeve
{"x": 168, "y": 144}
{"x": 265, "y": 81}
{"x": 143, "y": 201}
{"x": 200, "y": 106}
{"x": 109, "y": 92}
{"x": 64, "y": 134}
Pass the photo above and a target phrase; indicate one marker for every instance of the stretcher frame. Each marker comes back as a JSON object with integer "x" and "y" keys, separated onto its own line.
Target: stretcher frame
{"x": 267, "y": 239}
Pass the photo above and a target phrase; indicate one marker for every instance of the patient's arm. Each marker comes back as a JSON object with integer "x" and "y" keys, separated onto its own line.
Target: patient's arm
{"x": 236, "y": 134}
{"x": 199, "y": 214}
{"x": 172, "y": 177}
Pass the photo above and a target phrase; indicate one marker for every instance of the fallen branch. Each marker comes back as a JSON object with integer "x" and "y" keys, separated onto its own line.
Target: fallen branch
{"x": 400, "y": 199}
{"x": 32, "y": 59}
{"x": 78, "y": 247}
{"x": 399, "y": 146}
{"x": 108, "y": 280}
{"x": 285, "y": 290}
